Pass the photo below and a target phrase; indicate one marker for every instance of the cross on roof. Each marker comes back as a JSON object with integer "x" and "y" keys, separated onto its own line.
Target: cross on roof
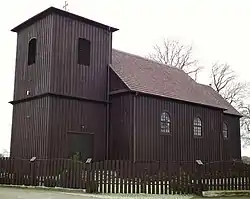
{"x": 65, "y": 5}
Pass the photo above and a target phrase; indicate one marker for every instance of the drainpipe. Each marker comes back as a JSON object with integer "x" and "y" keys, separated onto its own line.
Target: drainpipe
{"x": 221, "y": 138}
{"x": 107, "y": 95}
{"x": 134, "y": 127}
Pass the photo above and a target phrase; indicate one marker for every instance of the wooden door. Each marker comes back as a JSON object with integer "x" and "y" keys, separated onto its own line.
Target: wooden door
{"x": 80, "y": 145}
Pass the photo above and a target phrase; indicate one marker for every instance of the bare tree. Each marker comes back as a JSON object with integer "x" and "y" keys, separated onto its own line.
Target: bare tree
{"x": 226, "y": 82}
{"x": 4, "y": 153}
{"x": 245, "y": 124}
{"x": 174, "y": 54}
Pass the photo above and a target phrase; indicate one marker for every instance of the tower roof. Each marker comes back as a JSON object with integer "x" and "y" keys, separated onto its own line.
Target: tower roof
{"x": 52, "y": 10}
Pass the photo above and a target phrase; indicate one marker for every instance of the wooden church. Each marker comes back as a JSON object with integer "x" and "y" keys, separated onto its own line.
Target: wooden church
{"x": 75, "y": 94}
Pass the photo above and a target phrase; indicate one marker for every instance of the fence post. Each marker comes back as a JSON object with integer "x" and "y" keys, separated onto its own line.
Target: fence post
{"x": 32, "y": 171}
{"x": 88, "y": 177}
{"x": 198, "y": 176}
{"x": 92, "y": 176}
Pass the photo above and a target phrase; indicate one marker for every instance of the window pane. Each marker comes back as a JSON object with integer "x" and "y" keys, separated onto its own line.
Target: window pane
{"x": 225, "y": 133}
{"x": 197, "y": 130}
{"x": 168, "y": 128}
{"x": 197, "y": 121}
{"x": 162, "y": 117}
{"x": 167, "y": 118}
{"x": 165, "y": 122}
{"x": 197, "y": 127}
{"x": 225, "y": 130}
{"x": 162, "y": 125}
{"x": 224, "y": 126}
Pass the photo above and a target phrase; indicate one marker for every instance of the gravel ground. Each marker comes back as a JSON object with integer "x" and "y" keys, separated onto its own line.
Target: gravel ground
{"x": 15, "y": 193}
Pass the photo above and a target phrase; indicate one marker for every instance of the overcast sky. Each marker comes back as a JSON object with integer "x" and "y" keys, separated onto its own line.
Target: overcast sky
{"x": 217, "y": 29}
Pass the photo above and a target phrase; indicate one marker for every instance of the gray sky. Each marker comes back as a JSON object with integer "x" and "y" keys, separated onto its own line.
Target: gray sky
{"x": 218, "y": 30}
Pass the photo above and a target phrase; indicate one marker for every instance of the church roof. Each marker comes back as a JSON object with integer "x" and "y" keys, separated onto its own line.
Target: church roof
{"x": 146, "y": 76}
{"x": 52, "y": 10}
{"x": 214, "y": 94}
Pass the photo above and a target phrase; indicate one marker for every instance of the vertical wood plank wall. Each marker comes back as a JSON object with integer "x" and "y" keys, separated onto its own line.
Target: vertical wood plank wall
{"x": 36, "y": 77}
{"x": 232, "y": 145}
{"x": 180, "y": 144}
{"x": 70, "y": 78}
{"x": 41, "y": 126}
{"x": 30, "y": 133}
{"x": 69, "y": 115}
{"x": 121, "y": 127}
{"x": 57, "y": 72}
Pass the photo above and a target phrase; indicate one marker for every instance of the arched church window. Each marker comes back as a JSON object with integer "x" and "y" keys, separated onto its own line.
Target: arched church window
{"x": 165, "y": 122}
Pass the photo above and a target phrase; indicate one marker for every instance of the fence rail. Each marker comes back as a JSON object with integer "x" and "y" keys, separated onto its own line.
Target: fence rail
{"x": 126, "y": 177}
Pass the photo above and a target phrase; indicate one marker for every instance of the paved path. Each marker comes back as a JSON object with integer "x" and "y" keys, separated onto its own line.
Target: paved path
{"x": 18, "y": 193}
{"x": 11, "y": 193}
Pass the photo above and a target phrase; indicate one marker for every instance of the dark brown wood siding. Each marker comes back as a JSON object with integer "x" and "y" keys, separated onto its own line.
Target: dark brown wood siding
{"x": 121, "y": 127}
{"x": 69, "y": 115}
{"x": 70, "y": 78}
{"x": 30, "y": 129}
{"x": 56, "y": 69}
{"x": 35, "y": 77}
{"x": 232, "y": 145}
{"x": 180, "y": 145}
{"x": 56, "y": 72}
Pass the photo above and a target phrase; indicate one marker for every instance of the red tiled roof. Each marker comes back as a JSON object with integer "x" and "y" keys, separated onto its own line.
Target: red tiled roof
{"x": 147, "y": 76}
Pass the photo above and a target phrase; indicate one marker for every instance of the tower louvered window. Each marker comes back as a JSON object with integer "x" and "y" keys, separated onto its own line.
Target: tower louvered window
{"x": 32, "y": 51}
{"x": 83, "y": 51}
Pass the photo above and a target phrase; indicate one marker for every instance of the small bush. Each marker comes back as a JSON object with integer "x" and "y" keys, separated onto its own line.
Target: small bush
{"x": 92, "y": 187}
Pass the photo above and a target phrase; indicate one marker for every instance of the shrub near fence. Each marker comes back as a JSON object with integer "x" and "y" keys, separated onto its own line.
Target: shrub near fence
{"x": 125, "y": 176}
{"x": 233, "y": 175}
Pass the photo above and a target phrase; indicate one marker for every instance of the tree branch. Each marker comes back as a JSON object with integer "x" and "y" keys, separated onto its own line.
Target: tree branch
{"x": 174, "y": 54}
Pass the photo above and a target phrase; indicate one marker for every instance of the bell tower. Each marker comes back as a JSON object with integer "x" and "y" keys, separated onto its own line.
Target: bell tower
{"x": 61, "y": 86}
